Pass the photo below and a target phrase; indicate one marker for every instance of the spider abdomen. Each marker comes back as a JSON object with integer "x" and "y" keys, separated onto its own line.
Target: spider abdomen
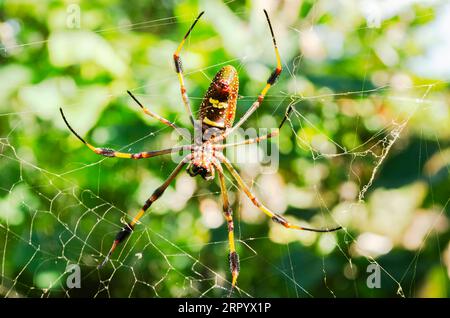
{"x": 218, "y": 107}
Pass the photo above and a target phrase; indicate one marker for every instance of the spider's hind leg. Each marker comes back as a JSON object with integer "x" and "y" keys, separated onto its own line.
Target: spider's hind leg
{"x": 228, "y": 213}
{"x": 274, "y": 216}
{"x": 129, "y": 227}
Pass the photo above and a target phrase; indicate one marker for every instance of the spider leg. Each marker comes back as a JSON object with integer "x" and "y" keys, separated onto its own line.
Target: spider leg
{"x": 260, "y": 138}
{"x": 128, "y": 228}
{"x": 270, "y": 81}
{"x": 161, "y": 119}
{"x": 274, "y": 216}
{"x": 249, "y": 141}
{"x": 179, "y": 70}
{"x": 228, "y": 213}
{"x": 112, "y": 153}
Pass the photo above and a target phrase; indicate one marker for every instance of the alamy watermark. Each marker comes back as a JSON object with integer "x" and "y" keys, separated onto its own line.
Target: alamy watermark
{"x": 374, "y": 279}
{"x": 73, "y": 280}
{"x": 73, "y": 18}
{"x": 373, "y": 13}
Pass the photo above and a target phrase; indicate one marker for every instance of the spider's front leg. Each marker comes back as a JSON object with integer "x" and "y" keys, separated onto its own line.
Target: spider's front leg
{"x": 270, "y": 81}
{"x": 228, "y": 213}
{"x": 179, "y": 70}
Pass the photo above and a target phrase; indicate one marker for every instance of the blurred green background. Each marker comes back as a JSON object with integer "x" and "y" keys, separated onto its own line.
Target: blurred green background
{"x": 367, "y": 147}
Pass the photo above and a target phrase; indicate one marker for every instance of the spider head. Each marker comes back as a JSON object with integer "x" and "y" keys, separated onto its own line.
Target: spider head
{"x": 206, "y": 173}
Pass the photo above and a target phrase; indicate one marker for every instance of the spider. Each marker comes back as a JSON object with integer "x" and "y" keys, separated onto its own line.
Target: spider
{"x": 215, "y": 123}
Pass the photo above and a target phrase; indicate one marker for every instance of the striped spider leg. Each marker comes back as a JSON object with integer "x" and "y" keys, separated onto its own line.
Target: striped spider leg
{"x": 128, "y": 228}
{"x": 228, "y": 213}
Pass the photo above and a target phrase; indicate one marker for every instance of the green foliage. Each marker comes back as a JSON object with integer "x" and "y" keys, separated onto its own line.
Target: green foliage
{"x": 367, "y": 147}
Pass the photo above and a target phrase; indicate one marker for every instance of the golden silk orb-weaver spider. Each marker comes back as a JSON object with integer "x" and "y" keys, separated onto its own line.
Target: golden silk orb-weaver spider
{"x": 215, "y": 123}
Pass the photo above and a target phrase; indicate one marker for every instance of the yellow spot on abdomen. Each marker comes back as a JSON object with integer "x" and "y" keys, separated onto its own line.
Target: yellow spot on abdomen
{"x": 210, "y": 122}
{"x": 216, "y": 104}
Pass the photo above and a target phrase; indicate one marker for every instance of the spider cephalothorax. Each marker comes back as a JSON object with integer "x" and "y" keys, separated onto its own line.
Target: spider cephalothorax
{"x": 202, "y": 162}
{"x": 205, "y": 158}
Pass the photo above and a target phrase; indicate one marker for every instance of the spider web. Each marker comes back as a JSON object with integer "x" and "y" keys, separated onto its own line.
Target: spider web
{"x": 177, "y": 251}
